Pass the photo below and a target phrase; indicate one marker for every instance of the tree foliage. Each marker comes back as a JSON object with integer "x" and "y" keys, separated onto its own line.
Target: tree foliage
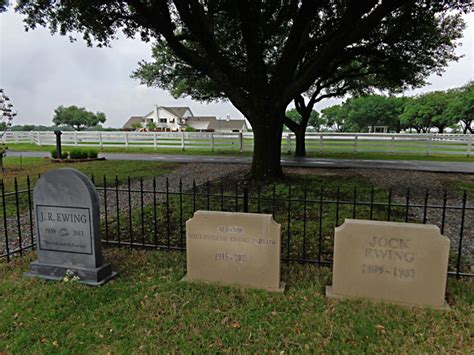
{"x": 336, "y": 117}
{"x": 461, "y": 106}
{"x": 428, "y": 110}
{"x": 315, "y": 119}
{"x": 374, "y": 110}
{"x": 77, "y": 117}
{"x": 262, "y": 54}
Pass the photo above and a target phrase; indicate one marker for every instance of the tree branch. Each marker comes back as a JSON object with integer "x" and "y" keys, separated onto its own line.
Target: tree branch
{"x": 346, "y": 34}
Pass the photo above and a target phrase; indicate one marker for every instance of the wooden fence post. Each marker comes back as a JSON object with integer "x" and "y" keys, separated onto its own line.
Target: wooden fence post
{"x": 154, "y": 140}
{"x": 182, "y": 141}
{"x": 241, "y": 142}
{"x": 430, "y": 145}
{"x": 469, "y": 145}
{"x": 212, "y": 141}
{"x": 321, "y": 143}
{"x": 75, "y": 138}
{"x": 100, "y": 140}
{"x": 288, "y": 143}
{"x": 38, "y": 138}
{"x": 392, "y": 145}
{"x": 355, "y": 143}
{"x": 126, "y": 139}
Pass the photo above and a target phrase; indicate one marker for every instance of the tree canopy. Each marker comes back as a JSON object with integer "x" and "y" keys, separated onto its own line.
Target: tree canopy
{"x": 77, "y": 117}
{"x": 461, "y": 106}
{"x": 428, "y": 110}
{"x": 262, "y": 54}
{"x": 315, "y": 119}
{"x": 375, "y": 110}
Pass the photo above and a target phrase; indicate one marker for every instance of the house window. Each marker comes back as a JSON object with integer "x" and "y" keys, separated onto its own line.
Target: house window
{"x": 172, "y": 120}
{"x": 162, "y": 120}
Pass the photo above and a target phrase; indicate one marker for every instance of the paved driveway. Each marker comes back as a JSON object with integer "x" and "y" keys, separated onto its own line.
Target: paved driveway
{"x": 417, "y": 165}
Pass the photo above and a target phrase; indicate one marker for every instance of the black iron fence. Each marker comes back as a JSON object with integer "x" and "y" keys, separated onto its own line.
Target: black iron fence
{"x": 152, "y": 213}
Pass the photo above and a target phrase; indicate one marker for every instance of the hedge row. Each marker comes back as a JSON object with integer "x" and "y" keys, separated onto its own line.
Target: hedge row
{"x": 77, "y": 154}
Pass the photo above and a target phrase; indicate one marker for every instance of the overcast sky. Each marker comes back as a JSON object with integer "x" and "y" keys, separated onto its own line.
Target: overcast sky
{"x": 40, "y": 72}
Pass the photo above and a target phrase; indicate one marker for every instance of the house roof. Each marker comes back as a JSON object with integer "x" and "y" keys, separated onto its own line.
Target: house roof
{"x": 178, "y": 111}
{"x": 132, "y": 120}
{"x": 231, "y": 125}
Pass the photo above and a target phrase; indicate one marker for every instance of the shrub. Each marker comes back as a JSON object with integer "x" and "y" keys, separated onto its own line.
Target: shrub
{"x": 64, "y": 154}
{"x": 78, "y": 154}
{"x": 190, "y": 129}
{"x": 92, "y": 153}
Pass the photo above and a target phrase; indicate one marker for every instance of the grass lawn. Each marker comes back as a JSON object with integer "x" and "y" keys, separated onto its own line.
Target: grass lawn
{"x": 335, "y": 153}
{"x": 21, "y": 168}
{"x": 147, "y": 309}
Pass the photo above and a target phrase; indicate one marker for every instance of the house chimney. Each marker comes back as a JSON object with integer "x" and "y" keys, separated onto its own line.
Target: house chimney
{"x": 155, "y": 113}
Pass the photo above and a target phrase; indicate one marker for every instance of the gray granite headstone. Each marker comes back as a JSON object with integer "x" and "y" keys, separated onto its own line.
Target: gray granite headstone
{"x": 67, "y": 221}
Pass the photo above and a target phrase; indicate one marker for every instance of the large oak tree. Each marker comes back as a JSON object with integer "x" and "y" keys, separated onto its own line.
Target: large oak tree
{"x": 263, "y": 54}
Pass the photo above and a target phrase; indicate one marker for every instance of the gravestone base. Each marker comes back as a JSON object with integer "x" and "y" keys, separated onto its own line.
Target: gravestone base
{"x": 91, "y": 277}
{"x": 330, "y": 294}
{"x": 280, "y": 289}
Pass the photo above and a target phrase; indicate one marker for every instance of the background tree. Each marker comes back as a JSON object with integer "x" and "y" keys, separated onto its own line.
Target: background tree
{"x": 360, "y": 74}
{"x": 3, "y": 5}
{"x": 263, "y": 54}
{"x": 374, "y": 110}
{"x": 6, "y": 119}
{"x": 136, "y": 126}
{"x": 151, "y": 126}
{"x": 428, "y": 110}
{"x": 461, "y": 106}
{"x": 335, "y": 117}
{"x": 314, "y": 120}
{"x": 77, "y": 117}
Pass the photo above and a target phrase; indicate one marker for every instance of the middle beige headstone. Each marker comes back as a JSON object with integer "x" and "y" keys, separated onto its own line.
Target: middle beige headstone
{"x": 235, "y": 249}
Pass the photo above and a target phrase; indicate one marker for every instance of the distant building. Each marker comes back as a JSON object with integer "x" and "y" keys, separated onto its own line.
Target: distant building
{"x": 174, "y": 119}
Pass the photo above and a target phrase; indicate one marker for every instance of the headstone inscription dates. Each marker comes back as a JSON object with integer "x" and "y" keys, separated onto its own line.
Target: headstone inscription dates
{"x": 235, "y": 249}
{"x": 404, "y": 263}
{"x": 67, "y": 223}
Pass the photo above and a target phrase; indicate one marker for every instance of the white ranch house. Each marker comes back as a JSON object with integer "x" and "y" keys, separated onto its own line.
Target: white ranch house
{"x": 174, "y": 119}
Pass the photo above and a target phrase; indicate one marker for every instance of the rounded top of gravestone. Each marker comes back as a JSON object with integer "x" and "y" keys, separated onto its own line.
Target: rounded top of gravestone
{"x": 65, "y": 187}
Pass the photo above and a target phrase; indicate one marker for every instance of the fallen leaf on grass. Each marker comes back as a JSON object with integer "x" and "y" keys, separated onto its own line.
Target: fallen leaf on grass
{"x": 235, "y": 325}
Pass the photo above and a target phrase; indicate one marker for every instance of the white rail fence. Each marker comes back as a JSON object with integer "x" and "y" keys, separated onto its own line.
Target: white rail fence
{"x": 326, "y": 142}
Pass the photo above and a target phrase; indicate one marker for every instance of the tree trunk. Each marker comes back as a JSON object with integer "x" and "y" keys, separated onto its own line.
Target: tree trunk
{"x": 300, "y": 142}
{"x": 441, "y": 129}
{"x": 267, "y": 151}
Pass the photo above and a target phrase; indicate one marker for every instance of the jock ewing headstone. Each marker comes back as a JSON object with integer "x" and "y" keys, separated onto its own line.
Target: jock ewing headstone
{"x": 404, "y": 263}
{"x": 67, "y": 221}
{"x": 235, "y": 249}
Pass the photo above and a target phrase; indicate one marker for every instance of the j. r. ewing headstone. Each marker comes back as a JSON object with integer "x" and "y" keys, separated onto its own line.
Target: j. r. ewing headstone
{"x": 67, "y": 221}
{"x": 404, "y": 263}
{"x": 235, "y": 249}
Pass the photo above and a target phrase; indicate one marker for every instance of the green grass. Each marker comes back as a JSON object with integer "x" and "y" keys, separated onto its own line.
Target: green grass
{"x": 33, "y": 167}
{"x": 397, "y": 156}
{"x": 22, "y": 167}
{"x": 146, "y": 309}
{"x": 335, "y": 152}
